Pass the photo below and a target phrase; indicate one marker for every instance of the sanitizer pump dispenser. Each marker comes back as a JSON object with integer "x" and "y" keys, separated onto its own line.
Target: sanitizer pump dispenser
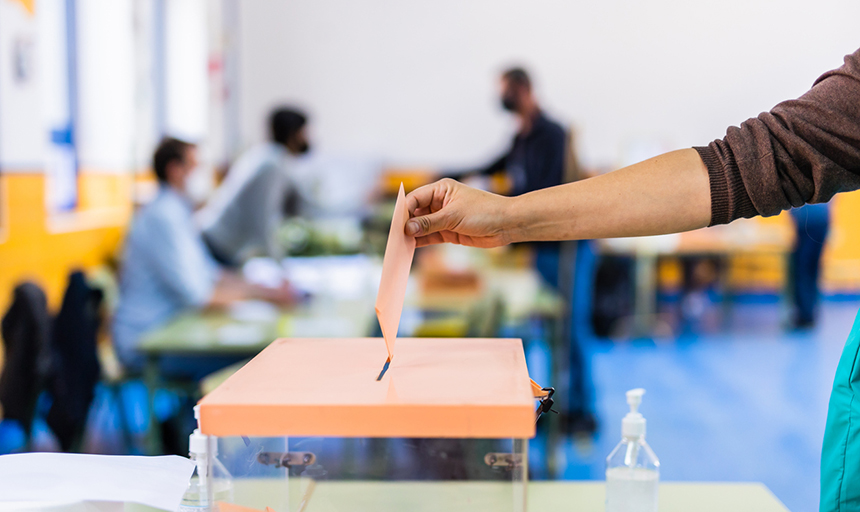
{"x": 632, "y": 469}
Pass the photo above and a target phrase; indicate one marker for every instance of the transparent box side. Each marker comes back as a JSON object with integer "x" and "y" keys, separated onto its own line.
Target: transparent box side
{"x": 323, "y": 474}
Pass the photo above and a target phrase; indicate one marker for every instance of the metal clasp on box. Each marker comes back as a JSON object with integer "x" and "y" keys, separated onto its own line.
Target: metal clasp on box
{"x": 544, "y": 397}
{"x": 503, "y": 460}
{"x": 286, "y": 459}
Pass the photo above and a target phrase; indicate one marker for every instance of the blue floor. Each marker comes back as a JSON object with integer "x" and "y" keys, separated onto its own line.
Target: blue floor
{"x": 747, "y": 404}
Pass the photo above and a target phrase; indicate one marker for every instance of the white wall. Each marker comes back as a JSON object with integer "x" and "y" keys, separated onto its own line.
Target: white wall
{"x": 22, "y": 133}
{"x": 53, "y": 64}
{"x": 185, "y": 66}
{"x": 415, "y": 83}
{"x": 106, "y": 80}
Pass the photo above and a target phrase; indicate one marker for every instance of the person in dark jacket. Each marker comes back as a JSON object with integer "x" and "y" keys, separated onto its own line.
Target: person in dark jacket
{"x": 536, "y": 160}
{"x": 802, "y": 151}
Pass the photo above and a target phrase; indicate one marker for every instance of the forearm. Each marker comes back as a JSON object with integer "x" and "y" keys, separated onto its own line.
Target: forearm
{"x": 228, "y": 289}
{"x": 666, "y": 194}
{"x": 231, "y": 288}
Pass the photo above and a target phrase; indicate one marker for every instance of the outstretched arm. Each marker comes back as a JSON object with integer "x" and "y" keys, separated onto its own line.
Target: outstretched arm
{"x": 802, "y": 151}
{"x": 665, "y": 194}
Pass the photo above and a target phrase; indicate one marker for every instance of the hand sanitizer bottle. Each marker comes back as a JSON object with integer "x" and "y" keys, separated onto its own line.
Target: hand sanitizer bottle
{"x": 632, "y": 469}
{"x": 210, "y": 483}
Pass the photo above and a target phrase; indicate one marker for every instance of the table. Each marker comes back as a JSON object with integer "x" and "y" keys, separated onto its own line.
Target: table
{"x": 510, "y": 292}
{"x": 226, "y": 333}
{"x": 585, "y": 496}
{"x": 674, "y": 497}
{"x": 342, "y": 305}
{"x": 745, "y": 236}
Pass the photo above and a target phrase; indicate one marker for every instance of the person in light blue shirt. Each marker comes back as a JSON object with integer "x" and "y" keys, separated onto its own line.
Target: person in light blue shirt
{"x": 167, "y": 268}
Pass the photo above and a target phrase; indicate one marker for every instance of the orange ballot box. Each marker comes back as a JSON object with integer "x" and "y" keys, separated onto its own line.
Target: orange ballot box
{"x": 446, "y": 427}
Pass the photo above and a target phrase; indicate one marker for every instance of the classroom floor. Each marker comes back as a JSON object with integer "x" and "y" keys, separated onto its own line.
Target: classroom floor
{"x": 746, "y": 403}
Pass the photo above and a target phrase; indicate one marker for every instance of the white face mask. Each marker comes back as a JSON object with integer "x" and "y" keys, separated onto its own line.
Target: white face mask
{"x": 199, "y": 184}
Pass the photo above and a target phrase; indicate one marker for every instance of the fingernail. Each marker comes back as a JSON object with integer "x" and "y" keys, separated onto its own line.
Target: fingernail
{"x": 412, "y": 228}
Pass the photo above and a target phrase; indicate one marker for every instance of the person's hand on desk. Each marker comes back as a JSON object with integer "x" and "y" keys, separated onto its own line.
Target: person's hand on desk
{"x": 231, "y": 288}
{"x": 284, "y": 295}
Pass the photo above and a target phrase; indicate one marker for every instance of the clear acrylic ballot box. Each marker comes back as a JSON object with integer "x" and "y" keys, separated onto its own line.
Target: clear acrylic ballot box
{"x": 308, "y": 425}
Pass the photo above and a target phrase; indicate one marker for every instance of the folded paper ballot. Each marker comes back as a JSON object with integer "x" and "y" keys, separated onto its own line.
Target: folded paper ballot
{"x": 395, "y": 274}
{"x": 52, "y": 478}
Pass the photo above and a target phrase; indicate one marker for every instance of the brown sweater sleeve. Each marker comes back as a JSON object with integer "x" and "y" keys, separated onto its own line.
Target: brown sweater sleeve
{"x": 803, "y": 151}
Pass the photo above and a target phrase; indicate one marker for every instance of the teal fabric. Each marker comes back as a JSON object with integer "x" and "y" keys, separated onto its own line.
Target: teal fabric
{"x": 840, "y": 454}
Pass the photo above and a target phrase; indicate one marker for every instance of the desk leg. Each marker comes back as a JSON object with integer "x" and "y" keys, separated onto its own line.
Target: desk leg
{"x": 153, "y": 441}
{"x": 558, "y": 360}
{"x": 645, "y": 308}
{"x": 726, "y": 290}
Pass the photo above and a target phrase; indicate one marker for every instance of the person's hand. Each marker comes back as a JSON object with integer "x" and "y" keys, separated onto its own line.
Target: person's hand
{"x": 448, "y": 211}
{"x": 284, "y": 295}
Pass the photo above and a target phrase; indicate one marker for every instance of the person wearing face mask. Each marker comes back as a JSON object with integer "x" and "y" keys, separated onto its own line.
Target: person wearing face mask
{"x": 241, "y": 219}
{"x": 167, "y": 269}
{"x": 536, "y": 160}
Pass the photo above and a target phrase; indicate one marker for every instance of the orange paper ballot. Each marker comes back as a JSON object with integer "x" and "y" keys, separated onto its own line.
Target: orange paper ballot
{"x": 395, "y": 274}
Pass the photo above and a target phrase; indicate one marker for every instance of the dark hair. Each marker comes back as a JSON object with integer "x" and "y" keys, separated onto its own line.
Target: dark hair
{"x": 518, "y": 76}
{"x": 284, "y": 123}
{"x": 169, "y": 150}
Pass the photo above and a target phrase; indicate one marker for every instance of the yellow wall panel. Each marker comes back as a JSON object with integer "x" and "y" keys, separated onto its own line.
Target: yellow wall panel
{"x": 31, "y": 250}
{"x": 104, "y": 190}
{"x": 841, "y": 269}
{"x": 840, "y": 261}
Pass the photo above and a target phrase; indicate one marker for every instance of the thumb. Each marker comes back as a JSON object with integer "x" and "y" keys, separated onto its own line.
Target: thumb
{"x": 426, "y": 224}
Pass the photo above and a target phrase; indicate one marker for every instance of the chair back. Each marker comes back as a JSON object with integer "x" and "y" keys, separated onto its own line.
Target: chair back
{"x": 26, "y": 328}
{"x": 77, "y": 371}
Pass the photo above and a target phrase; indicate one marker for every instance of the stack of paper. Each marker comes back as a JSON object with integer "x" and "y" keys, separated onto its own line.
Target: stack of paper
{"x": 48, "y": 480}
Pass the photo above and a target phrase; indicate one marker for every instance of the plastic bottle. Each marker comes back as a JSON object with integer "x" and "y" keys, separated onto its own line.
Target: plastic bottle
{"x": 211, "y": 482}
{"x": 632, "y": 469}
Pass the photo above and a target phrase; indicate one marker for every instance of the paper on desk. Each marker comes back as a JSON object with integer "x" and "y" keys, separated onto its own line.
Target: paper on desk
{"x": 56, "y": 506}
{"x": 70, "y": 477}
{"x": 223, "y": 506}
{"x": 395, "y": 273}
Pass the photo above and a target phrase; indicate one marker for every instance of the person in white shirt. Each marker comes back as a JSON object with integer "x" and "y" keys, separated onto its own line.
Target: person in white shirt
{"x": 241, "y": 219}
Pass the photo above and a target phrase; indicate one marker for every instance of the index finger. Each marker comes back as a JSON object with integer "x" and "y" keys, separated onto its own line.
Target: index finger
{"x": 423, "y": 197}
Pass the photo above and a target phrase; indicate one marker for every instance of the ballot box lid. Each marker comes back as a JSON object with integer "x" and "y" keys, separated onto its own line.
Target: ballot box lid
{"x": 448, "y": 387}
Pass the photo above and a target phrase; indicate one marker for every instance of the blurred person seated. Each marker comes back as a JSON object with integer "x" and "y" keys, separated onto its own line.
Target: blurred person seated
{"x": 241, "y": 219}
{"x": 166, "y": 268}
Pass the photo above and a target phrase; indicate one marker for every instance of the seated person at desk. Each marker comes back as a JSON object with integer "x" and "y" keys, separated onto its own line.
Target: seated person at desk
{"x": 242, "y": 217}
{"x": 167, "y": 269}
